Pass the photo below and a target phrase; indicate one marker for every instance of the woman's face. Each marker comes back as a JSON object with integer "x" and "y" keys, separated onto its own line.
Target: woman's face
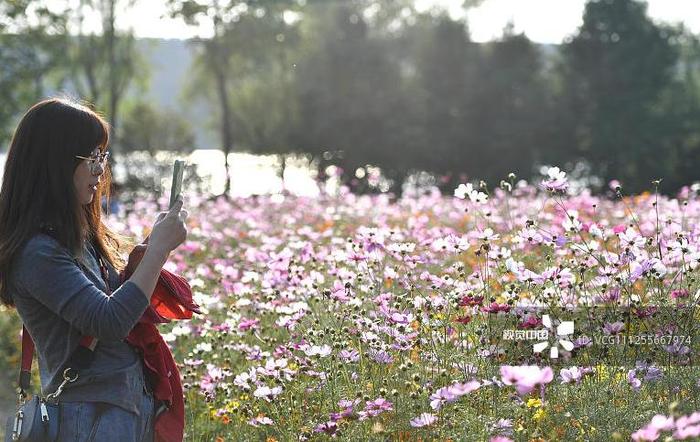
{"x": 86, "y": 178}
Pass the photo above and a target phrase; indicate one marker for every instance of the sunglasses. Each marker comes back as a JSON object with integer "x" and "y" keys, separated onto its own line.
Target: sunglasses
{"x": 97, "y": 163}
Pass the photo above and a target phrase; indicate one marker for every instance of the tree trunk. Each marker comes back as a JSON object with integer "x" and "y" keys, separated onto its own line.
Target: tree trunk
{"x": 110, "y": 37}
{"x": 226, "y": 124}
{"x": 283, "y": 168}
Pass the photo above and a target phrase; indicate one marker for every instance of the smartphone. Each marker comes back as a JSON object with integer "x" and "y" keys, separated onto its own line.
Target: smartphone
{"x": 176, "y": 188}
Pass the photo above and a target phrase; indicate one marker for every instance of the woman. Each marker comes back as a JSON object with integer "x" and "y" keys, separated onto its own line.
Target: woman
{"x": 59, "y": 264}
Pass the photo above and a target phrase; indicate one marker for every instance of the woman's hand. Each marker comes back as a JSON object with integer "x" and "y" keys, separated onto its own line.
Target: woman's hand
{"x": 169, "y": 230}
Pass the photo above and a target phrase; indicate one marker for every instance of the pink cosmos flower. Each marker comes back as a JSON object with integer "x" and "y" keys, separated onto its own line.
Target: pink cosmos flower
{"x": 424, "y": 420}
{"x": 375, "y": 408}
{"x": 330, "y": 428}
{"x": 556, "y": 180}
{"x": 351, "y": 355}
{"x": 247, "y": 324}
{"x": 645, "y": 434}
{"x": 573, "y": 374}
{"x": 267, "y": 393}
{"x": 684, "y": 421}
{"x": 348, "y": 407}
{"x": 467, "y": 191}
{"x": 316, "y": 350}
{"x": 679, "y": 293}
{"x": 632, "y": 379}
{"x": 691, "y": 431}
{"x": 451, "y": 393}
{"x": 495, "y": 307}
{"x": 631, "y": 238}
{"x": 526, "y": 377}
{"x": 257, "y": 421}
{"x": 685, "y": 427}
{"x": 613, "y": 328}
{"x": 662, "y": 423}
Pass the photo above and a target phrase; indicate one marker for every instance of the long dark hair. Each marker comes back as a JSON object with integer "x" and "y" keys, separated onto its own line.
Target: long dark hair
{"x": 38, "y": 194}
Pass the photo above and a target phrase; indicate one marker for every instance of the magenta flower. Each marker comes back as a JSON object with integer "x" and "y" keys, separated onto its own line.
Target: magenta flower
{"x": 424, "y": 420}
{"x": 330, "y": 428}
{"x": 495, "y": 307}
{"x": 679, "y": 293}
{"x": 247, "y": 324}
{"x": 526, "y": 377}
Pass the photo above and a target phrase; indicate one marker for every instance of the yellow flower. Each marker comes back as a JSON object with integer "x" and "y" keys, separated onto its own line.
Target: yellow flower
{"x": 232, "y": 405}
{"x": 539, "y": 415}
{"x": 602, "y": 370}
{"x": 536, "y": 403}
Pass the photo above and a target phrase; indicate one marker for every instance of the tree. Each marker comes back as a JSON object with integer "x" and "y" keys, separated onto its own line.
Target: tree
{"x": 29, "y": 51}
{"x": 147, "y": 128}
{"x": 446, "y": 63}
{"x": 349, "y": 93}
{"x": 262, "y": 99}
{"x": 102, "y": 66}
{"x": 513, "y": 109}
{"x": 217, "y": 54}
{"x": 615, "y": 72}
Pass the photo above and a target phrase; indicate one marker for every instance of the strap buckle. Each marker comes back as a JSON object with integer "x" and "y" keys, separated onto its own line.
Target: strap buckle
{"x": 66, "y": 380}
{"x": 21, "y": 396}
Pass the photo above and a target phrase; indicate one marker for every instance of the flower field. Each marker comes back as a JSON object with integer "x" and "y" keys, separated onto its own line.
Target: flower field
{"x": 358, "y": 318}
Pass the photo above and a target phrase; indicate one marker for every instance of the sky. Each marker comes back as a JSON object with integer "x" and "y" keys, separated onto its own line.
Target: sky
{"x": 543, "y": 21}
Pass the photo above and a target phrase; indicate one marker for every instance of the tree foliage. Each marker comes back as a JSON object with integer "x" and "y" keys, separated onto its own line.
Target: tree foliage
{"x": 363, "y": 84}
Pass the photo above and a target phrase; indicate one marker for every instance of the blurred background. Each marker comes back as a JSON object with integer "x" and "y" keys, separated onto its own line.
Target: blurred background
{"x": 379, "y": 95}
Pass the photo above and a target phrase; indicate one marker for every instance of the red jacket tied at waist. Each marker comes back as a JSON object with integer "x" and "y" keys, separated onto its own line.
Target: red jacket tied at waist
{"x": 171, "y": 299}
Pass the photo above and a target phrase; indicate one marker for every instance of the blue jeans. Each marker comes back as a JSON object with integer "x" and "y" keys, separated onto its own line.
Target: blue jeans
{"x": 97, "y": 421}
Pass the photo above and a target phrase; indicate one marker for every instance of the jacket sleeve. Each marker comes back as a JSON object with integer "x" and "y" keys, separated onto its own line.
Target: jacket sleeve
{"x": 46, "y": 271}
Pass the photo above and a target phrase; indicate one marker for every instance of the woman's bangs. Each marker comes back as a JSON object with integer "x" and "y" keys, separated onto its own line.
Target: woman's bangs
{"x": 95, "y": 133}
